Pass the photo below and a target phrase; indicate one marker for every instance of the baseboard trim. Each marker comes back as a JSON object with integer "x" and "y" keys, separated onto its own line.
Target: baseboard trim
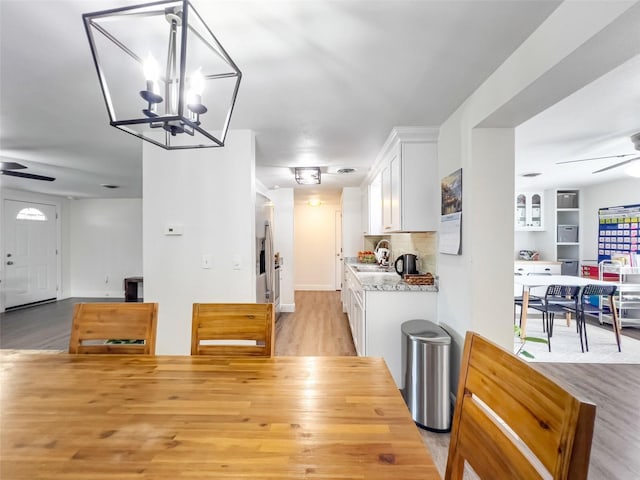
{"x": 287, "y": 307}
{"x": 331, "y": 288}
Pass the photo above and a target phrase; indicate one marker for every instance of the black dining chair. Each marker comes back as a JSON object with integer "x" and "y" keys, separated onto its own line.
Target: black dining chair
{"x": 584, "y": 308}
{"x": 535, "y": 298}
{"x": 556, "y": 300}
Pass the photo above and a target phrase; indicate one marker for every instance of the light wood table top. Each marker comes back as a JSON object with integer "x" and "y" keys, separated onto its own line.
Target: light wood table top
{"x": 170, "y": 417}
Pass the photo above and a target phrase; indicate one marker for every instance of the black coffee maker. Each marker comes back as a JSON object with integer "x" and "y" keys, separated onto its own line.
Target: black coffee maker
{"x": 408, "y": 264}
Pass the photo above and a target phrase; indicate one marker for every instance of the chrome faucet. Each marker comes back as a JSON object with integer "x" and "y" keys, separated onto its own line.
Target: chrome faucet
{"x": 382, "y": 254}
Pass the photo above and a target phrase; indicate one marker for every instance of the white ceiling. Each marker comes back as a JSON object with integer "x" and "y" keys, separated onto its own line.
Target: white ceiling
{"x": 323, "y": 84}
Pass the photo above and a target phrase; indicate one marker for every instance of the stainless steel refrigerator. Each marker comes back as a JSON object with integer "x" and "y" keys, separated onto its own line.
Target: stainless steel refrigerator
{"x": 267, "y": 290}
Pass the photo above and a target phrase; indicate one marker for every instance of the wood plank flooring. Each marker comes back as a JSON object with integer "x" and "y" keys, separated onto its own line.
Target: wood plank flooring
{"x": 318, "y": 327}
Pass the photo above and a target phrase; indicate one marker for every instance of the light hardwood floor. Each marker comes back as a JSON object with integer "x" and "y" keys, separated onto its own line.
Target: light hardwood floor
{"x": 318, "y": 327}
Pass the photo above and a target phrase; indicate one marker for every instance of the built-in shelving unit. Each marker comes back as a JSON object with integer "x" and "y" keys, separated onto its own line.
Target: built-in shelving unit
{"x": 568, "y": 230}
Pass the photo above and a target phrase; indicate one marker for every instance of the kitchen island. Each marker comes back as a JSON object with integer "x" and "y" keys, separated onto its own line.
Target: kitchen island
{"x": 377, "y": 303}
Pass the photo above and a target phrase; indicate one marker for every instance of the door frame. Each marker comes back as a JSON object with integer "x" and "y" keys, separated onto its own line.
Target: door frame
{"x": 29, "y": 197}
{"x": 337, "y": 242}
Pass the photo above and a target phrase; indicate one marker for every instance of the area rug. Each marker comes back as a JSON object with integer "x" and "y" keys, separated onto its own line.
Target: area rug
{"x": 565, "y": 345}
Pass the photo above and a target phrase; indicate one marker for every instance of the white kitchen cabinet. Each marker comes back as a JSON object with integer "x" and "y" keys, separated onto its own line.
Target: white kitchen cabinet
{"x": 407, "y": 166}
{"x": 529, "y": 211}
{"x": 385, "y": 312}
{"x": 375, "y": 206}
{"x": 533, "y": 267}
{"x": 375, "y": 318}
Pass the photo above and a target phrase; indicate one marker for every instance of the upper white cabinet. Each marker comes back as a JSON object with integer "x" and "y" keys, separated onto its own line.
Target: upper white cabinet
{"x": 374, "y": 214}
{"x": 529, "y": 211}
{"x": 409, "y": 189}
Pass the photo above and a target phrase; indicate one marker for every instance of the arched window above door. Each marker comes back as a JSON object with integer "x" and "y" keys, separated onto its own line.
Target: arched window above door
{"x": 31, "y": 214}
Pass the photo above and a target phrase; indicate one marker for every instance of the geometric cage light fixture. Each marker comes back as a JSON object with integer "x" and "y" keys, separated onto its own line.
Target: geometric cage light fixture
{"x": 307, "y": 175}
{"x": 164, "y": 76}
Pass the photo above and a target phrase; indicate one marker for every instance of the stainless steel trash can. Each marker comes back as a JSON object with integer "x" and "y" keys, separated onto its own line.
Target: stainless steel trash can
{"x": 426, "y": 367}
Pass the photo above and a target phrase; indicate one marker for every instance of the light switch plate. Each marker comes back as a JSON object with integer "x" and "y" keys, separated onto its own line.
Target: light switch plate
{"x": 207, "y": 261}
{"x": 236, "y": 263}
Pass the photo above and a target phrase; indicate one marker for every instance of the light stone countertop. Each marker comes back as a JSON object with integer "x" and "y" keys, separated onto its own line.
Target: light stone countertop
{"x": 387, "y": 281}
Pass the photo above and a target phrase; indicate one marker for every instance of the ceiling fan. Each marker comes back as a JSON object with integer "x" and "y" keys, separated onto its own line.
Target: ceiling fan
{"x": 635, "y": 139}
{"x": 13, "y": 170}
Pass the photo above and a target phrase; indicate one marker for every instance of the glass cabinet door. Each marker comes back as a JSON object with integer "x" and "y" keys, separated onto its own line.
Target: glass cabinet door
{"x": 536, "y": 210}
{"x": 521, "y": 210}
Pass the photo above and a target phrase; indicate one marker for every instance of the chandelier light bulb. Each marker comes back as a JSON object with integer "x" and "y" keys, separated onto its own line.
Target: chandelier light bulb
{"x": 151, "y": 69}
{"x": 197, "y": 82}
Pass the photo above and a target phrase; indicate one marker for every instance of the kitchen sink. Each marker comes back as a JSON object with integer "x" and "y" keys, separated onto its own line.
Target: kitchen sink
{"x": 372, "y": 269}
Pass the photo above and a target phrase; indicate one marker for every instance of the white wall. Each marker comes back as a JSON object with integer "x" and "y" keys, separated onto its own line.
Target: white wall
{"x": 351, "y": 221}
{"x": 283, "y": 242}
{"x": 62, "y": 208}
{"x": 314, "y": 246}
{"x": 610, "y": 194}
{"x": 210, "y": 194}
{"x": 105, "y": 244}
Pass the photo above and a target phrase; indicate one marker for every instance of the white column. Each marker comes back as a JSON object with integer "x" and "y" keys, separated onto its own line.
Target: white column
{"x": 207, "y": 196}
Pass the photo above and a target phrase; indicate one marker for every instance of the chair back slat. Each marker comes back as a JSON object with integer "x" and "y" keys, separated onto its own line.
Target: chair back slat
{"x": 96, "y": 326}
{"x": 511, "y": 421}
{"x": 592, "y": 289}
{"x": 236, "y": 329}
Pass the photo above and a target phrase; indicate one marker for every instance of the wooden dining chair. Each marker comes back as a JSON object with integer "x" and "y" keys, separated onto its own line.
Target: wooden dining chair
{"x": 513, "y": 422}
{"x": 228, "y": 329}
{"x": 128, "y": 328}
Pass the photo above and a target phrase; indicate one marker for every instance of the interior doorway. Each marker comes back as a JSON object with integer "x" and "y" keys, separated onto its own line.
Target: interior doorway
{"x": 30, "y": 253}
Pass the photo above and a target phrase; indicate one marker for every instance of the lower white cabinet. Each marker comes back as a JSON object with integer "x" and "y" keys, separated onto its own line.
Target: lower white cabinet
{"x": 375, "y": 318}
{"x": 533, "y": 267}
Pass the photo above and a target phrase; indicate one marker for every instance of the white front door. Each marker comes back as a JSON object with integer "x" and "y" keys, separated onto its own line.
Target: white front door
{"x": 29, "y": 252}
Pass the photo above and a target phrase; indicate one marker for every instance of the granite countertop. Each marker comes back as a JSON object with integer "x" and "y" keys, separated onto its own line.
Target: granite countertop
{"x": 387, "y": 281}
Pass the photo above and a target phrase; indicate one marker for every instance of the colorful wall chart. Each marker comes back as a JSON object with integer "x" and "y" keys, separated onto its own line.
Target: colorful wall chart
{"x": 618, "y": 232}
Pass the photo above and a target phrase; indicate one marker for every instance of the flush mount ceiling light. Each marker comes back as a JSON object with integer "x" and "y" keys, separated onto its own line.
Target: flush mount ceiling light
{"x": 164, "y": 76}
{"x": 307, "y": 175}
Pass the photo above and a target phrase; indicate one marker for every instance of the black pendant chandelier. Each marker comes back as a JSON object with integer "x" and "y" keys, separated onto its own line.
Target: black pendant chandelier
{"x": 164, "y": 75}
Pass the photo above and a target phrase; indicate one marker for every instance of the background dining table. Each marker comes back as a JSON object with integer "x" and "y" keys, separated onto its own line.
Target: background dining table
{"x": 530, "y": 281}
{"x": 171, "y": 417}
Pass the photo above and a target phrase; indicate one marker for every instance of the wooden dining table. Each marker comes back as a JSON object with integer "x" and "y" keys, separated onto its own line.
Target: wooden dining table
{"x": 171, "y": 417}
{"x": 527, "y": 282}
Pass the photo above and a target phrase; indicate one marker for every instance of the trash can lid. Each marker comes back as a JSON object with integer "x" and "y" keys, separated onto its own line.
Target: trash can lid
{"x": 425, "y": 331}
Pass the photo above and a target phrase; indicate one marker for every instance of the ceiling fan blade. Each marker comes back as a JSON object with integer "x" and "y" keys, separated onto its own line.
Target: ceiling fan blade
{"x": 617, "y": 165}
{"x": 11, "y": 166}
{"x": 31, "y": 176}
{"x": 596, "y": 158}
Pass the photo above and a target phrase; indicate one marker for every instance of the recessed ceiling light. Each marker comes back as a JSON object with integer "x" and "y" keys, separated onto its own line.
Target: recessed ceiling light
{"x": 530, "y": 175}
{"x": 106, "y": 185}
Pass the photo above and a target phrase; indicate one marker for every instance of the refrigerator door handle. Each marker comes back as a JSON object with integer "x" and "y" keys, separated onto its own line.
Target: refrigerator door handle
{"x": 269, "y": 267}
